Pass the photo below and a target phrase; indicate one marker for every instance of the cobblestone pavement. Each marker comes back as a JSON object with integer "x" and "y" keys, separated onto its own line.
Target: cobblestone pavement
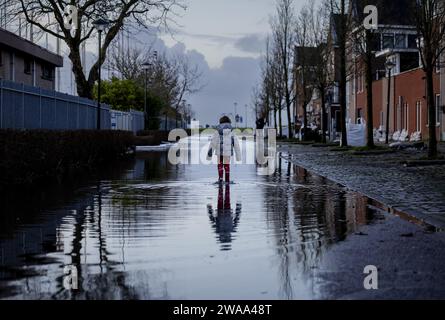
{"x": 416, "y": 191}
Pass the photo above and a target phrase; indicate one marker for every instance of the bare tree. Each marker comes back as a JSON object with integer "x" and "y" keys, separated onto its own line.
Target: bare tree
{"x": 283, "y": 35}
{"x": 268, "y": 95}
{"x": 342, "y": 20}
{"x": 141, "y": 13}
{"x": 128, "y": 66}
{"x": 363, "y": 40}
{"x": 319, "y": 22}
{"x": 187, "y": 82}
{"x": 430, "y": 21}
{"x": 276, "y": 89}
{"x": 171, "y": 78}
{"x": 304, "y": 60}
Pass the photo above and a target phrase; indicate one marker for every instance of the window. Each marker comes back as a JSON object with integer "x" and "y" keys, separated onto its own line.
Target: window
{"x": 28, "y": 66}
{"x": 359, "y": 115}
{"x": 360, "y": 83}
{"x": 438, "y": 109}
{"x": 388, "y": 41}
{"x": 47, "y": 72}
{"x": 400, "y": 41}
{"x": 400, "y": 119}
{"x": 418, "y": 116}
{"x": 412, "y": 41}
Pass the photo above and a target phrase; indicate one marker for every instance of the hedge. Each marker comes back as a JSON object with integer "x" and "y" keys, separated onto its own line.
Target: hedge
{"x": 32, "y": 156}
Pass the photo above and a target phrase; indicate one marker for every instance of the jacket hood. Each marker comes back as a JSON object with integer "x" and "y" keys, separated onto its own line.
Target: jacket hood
{"x": 224, "y": 126}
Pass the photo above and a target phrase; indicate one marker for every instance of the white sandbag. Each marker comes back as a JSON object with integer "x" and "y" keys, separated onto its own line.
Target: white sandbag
{"x": 356, "y": 134}
{"x": 396, "y": 136}
{"x": 404, "y": 136}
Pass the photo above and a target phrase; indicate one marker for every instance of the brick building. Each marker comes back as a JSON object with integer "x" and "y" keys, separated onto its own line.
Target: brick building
{"x": 395, "y": 40}
{"x": 24, "y": 62}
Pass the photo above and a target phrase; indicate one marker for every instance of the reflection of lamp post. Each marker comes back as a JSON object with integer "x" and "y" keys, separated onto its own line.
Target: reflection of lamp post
{"x": 100, "y": 25}
{"x": 389, "y": 66}
{"x": 146, "y": 67}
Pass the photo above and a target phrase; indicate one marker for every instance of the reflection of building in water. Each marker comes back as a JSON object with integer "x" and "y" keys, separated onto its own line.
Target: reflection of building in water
{"x": 357, "y": 212}
{"x": 224, "y": 220}
{"x": 308, "y": 213}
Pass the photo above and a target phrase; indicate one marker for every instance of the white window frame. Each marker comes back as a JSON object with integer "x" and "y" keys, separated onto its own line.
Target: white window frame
{"x": 419, "y": 116}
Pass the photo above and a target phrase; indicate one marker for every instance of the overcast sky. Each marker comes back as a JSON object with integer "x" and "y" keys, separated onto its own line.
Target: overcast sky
{"x": 226, "y": 38}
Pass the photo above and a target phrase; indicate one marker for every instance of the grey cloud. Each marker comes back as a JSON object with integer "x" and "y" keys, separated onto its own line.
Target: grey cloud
{"x": 208, "y": 37}
{"x": 253, "y": 43}
{"x": 230, "y": 83}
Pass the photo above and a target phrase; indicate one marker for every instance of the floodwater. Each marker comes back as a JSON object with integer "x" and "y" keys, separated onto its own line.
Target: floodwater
{"x": 151, "y": 230}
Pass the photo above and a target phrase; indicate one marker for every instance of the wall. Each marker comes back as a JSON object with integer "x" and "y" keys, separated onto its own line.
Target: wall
{"x": 406, "y": 88}
{"x": 19, "y": 70}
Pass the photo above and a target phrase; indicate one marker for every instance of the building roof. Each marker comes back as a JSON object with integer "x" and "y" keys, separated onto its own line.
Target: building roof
{"x": 11, "y": 40}
{"x": 393, "y": 12}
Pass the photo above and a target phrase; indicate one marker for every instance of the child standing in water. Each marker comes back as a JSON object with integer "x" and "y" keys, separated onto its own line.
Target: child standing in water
{"x": 225, "y": 145}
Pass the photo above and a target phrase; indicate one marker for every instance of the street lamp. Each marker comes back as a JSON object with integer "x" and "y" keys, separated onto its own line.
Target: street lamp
{"x": 389, "y": 66}
{"x": 236, "y": 114}
{"x": 246, "y": 114}
{"x": 146, "y": 67}
{"x": 100, "y": 25}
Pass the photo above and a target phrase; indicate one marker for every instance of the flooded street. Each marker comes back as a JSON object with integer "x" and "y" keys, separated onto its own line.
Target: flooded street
{"x": 152, "y": 230}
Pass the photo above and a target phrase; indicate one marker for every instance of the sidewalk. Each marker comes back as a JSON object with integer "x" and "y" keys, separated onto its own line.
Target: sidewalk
{"x": 416, "y": 191}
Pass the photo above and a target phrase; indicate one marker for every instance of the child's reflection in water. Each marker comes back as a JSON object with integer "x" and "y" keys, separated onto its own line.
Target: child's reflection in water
{"x": 224, "y": 220}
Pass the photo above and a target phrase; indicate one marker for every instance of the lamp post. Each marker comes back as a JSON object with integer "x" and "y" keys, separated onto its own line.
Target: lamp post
{"x": 100, "y": 25}
{"x": 146, "y": 67}
{"x": 236, "y": 114}
{"x": 389, "y": 66}
{"x": 246, "y": 114}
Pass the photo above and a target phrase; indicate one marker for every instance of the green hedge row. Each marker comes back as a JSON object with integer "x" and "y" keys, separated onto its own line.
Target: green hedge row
{"x": 34, "y": 156}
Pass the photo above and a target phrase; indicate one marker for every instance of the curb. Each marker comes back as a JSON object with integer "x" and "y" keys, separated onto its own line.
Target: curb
{"x": 414, "y": 217}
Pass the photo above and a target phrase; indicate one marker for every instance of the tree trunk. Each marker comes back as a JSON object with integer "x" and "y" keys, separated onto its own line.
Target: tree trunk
{"x": 289, "y": 119}
{"x": 305, "y": 122}
{"x": 432, "y": 142}
{"x": 280, "y": 122}
{"x": 83, "y": 87}
{"x": 342, "y": 46}
{"x": 369, "y": 97}
{"x": 323, "y": 115}
{"x": 275, "y": 118}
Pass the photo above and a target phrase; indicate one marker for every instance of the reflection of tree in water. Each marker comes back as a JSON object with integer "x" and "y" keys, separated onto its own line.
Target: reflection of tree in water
{"x": 157, "y": 167}
{"x": 94, "y": 215}
{"x": 108, "y": 284}
{"x": 277, "y": 214}
{"x": 224, "y": 221}
{"x": 306, "y": 220}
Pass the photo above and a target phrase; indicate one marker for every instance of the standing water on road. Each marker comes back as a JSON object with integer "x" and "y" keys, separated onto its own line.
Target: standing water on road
{"x": 158, "y": 231}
